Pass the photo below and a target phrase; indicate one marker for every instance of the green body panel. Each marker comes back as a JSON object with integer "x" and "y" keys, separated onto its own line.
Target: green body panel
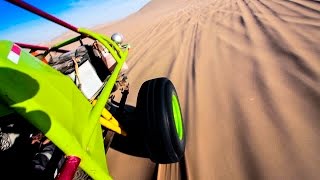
{"x": 51, "y": 102}
{"x": 4, "y": 110}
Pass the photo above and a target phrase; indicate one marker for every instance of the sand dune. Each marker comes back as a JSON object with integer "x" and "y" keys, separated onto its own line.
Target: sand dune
{"x": 248, "y": 77}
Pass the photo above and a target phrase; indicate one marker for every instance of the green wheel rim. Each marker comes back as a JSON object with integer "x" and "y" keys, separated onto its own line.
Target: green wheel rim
{"x": 177, "y": 116}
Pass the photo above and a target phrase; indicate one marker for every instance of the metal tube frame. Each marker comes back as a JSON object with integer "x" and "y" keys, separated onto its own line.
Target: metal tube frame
{"x": 118, "y": 54}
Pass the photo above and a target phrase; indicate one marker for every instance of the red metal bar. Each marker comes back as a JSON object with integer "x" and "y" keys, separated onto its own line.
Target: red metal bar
{"x": 69, "y": 168}
{"x": 37, "y": 47}
{"x": 31, "y": 46}
{"x": 43, "y": 14}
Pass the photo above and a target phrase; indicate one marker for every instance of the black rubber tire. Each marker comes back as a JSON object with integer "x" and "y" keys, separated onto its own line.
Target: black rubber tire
{"x": 154, "y": 108}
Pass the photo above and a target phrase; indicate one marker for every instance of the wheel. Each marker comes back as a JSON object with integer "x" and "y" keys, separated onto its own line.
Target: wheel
{"x": 160, "y": 116}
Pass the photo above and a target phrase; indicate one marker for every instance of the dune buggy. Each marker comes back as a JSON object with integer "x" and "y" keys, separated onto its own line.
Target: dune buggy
{"x": 68, "y": 97}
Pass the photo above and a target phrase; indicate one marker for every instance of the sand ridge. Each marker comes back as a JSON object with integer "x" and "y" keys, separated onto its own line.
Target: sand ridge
{"x": 248, "y": 77}
{"x": 247, "y": 73}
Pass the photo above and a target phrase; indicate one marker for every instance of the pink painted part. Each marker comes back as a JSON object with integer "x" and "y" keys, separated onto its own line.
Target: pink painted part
{"x": 16, "y": 49}
{"x": 31, "y": 46}
{"x": 43, "y": 14}
{"x": 69, "y": 168}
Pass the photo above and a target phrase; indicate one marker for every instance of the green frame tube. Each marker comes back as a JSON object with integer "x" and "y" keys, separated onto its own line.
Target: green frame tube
{"x": 66, "y": 42}
{"x": 67, "y": 134}
{"x": 105, "y": 93}
{"x": 119, "y": 55}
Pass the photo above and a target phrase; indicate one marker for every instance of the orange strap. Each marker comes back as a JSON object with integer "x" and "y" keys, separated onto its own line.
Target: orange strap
{"x": 40, "y": 57}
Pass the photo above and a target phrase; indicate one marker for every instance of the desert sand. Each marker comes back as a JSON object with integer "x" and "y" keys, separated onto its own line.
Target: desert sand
{"x": 248, "y": 77}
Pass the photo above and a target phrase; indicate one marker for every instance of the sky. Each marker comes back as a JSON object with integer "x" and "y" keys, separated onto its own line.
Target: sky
{"x": 19, "y": 25}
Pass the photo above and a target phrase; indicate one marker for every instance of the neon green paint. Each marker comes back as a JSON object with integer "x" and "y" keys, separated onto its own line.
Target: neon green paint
{"x": 52, "y": 103}
{"x": 105, "y": 93}
{"x": 4, "y": 110}
{"x": 66, "y": 42}
{"x": 177, "y": 116}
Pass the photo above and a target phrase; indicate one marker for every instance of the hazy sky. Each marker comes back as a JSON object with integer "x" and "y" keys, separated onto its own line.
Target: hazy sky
{"x": 19, "y": 25}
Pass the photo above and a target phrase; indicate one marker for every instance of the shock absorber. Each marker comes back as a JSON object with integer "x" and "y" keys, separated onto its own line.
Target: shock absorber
{"x": 124, "y": 87}
{"x": 123, "y": 100}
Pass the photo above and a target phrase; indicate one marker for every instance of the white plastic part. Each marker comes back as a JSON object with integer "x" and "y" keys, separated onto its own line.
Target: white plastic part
{"x": 90, "y": 81}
